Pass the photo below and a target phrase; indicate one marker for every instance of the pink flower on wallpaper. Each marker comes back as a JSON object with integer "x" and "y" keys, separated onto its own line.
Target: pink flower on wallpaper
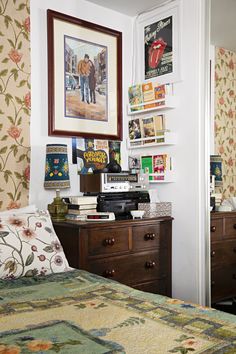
{"x": 27, "y": 173}
{"x": 231, "y": 93}
{"x": 230, "y": 113}
{"x": 231, "y": 64}
{"x": 14, "y": 132}
{"x": 13, "y": 205}
{"x": 221, "y": 100}
{"x": 231, "y": 189}
{"x": 230, "y": 162}
{"x": 222, "y": 51}
{"x": 216, "y": 76}
{"x": 15, "y": 56}
{"x": 26, "y": 24}
{"x": 231, "y": 141}
{"x": 216, "y": 127}
{"x": 29, "y": 233}
{"x": 221, "y": 150}
{"x": 27, "y": 100}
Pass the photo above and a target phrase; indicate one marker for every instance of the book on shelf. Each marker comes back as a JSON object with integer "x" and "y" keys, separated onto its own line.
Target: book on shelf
{"x": 134, "y": 162}
{"x": 148, "y": 130}
{"x": 135, "y": 97}
{"x": 160, "y": 127}
{"x": 147, "y": 165}
{"x": 135, "y": 129}
{"x": 160, "y": 166}
{"x": 148, "y": 95}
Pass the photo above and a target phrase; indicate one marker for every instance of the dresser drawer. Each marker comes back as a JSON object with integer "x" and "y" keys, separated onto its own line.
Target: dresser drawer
{"x": 146, "y": 236}
{"x": 157, "y": 286}
{"x": 230, "y": 227}
{"x": 223, "y": 283}
{"x": 223, "y": 253}
{"x": 216, "y": 229}
{"x": 107, "y": 241}
{"x": 133, "y": 268}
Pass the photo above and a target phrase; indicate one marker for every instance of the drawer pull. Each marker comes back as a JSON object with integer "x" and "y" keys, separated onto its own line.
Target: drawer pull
{"x": 109, "y": 273}
{"x": 148, "y": 237}
{"x": 234, "y": 226}
{"x": 109, "y": 241}
{"x": 234, "y": 249}
{"x": 213, "y": 228}
{"x": 150, "y": 264}
{"x": 234, "y": 276}
{"x": 213, "y": 283}
{"x": 213, "y": 253}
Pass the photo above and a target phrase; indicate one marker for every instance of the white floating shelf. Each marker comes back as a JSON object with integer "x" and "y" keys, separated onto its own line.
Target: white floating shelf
{"x": 168, "y": 177}
{"x": 169, "y": 139}
{"x": 169, "y": 102}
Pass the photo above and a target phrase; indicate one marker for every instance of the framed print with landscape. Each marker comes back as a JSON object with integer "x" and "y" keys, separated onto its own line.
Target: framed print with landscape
{"x": 84, "y": 78}
{"x": 159, "y": 44}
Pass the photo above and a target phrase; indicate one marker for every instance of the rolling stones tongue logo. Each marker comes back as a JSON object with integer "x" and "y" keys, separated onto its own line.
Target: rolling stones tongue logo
{"x": 155, "y": 52}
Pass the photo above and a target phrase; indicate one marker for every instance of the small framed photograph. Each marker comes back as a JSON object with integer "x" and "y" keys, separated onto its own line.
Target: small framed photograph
{"x": 159, "y": 44}
{"x": 84, "y": 78}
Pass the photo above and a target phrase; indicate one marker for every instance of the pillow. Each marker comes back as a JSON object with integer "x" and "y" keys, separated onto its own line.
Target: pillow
{"x": 29, "y": 246}
{"x": 28, "y": 209}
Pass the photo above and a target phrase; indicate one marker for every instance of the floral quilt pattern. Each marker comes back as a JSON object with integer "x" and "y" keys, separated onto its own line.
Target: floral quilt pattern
{"x": 78, "y": 312}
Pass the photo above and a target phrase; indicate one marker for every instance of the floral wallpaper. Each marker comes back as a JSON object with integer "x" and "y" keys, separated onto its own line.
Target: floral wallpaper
{"x": 225, "y": 118}
{"x": 15, "y": 102}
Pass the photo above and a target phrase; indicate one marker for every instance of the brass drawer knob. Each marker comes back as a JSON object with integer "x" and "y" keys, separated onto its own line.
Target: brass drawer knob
{"x": 109, "y": 241}
{"x": 213, "y": 229}
{"x": 150, "y": 264}
{"x": 213, "y": 283}
{"x": 109, "y": 273}
{"x": 149, "y": 236}
{"x": 213, "y": 253}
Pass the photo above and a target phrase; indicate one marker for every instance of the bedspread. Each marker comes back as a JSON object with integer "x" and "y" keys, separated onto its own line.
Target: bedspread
{"x": 78, "y": 312}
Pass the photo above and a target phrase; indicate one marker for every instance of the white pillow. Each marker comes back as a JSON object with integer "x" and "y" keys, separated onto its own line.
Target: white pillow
{"x": 28, "y": 209}
{"x": 29, "y": 246}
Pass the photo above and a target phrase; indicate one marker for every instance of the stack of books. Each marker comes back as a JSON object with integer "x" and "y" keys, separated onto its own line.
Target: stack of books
{"x": 84, "y": 205}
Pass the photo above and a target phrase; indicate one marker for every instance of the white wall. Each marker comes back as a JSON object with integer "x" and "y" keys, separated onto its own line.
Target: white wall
{"x": 39, "y": 118}
{"x": 187, "y": 194}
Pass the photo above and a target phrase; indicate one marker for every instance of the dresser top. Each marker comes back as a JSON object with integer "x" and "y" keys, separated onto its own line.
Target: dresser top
{"x": 115, "y": 223}
{"x": 223, "y": 214}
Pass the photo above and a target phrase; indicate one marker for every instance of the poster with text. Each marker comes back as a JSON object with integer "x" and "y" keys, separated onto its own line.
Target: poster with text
{"x": 158, "y": 51}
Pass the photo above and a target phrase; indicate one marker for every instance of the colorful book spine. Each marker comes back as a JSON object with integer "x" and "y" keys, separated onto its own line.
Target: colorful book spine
{"x": 147, "y": 165}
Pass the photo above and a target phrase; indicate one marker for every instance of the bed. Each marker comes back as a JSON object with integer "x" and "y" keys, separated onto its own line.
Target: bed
{"x": 73, "y": 311}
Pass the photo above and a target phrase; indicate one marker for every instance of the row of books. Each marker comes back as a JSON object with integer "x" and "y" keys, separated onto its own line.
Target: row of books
{"x": 142, "y": 128}
{"x": 152, "y": 164}
{"x": 142, "y": 95}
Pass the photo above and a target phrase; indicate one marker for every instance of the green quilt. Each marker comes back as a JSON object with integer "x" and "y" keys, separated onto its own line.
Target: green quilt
{"x": 78, "y": 312}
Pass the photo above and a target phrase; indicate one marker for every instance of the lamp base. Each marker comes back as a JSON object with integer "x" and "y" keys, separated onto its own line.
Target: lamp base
{"x": 58, "y": 209}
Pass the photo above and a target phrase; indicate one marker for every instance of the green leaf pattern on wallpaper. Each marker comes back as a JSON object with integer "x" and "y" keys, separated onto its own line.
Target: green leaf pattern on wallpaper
{"x": 15, "y": 103}
{"x": 225, "y": 118}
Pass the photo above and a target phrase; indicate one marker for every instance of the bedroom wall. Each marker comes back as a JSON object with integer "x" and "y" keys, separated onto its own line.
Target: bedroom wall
{"x": 188, "y": 192}
{"x": 225, "y": 118}
{"x": 39, "y": 122}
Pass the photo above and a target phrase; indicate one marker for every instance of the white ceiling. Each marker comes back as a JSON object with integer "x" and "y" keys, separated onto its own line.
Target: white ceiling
{"x": 128, "y": 7}
{"x": 223, "y": 23}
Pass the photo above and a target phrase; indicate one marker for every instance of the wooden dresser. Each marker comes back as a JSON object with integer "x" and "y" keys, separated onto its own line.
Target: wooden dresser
{"x": 134, "y": 252}
{"x": 223, "y": 255}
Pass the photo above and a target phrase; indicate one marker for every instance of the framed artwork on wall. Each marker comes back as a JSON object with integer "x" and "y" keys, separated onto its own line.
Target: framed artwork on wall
{"x": 84, "y": 78}
{"x": 159, "y": 44}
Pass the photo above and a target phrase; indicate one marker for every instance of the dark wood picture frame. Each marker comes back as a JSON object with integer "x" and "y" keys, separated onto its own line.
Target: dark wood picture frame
{"x": 109, "y": 128}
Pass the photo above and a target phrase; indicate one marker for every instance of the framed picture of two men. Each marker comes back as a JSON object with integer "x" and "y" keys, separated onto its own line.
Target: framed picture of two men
{"x": 84, "y": 78}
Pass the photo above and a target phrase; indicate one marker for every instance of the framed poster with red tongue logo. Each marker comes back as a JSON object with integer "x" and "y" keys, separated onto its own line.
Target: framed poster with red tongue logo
{"x": 159, "y": 48}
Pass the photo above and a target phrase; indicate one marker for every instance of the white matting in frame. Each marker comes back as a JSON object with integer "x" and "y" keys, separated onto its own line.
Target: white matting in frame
{"x": 159, "y": 44}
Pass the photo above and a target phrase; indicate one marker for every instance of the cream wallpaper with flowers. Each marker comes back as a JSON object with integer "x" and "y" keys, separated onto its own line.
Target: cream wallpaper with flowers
{"x": 15, "y": 103}
{"x": 225, "y": 118}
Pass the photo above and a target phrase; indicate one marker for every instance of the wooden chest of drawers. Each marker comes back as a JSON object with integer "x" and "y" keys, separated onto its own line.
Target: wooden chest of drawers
{"x": 223, "y": 256}
{"x": 134, "y": 252}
